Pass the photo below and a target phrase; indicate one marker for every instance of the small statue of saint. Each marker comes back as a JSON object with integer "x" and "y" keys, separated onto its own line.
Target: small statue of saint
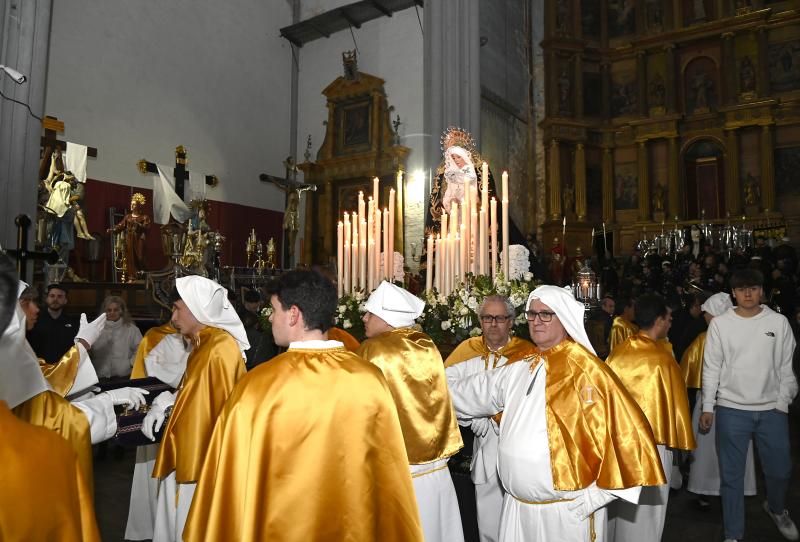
{"x": 133, "y": 227}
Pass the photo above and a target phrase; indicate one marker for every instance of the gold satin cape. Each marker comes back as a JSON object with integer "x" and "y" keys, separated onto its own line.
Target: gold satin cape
{"x": 151, "y": 338}
{"x": 621, "y": 329}
{"x": 51, "y": 411}
{"x": 44, "y": 495}
{"x": 308, "y": 447}
{"x": 338, "y": 334}
{"x": 692, "y": 362}
{"x": 61, "y": 375}
{"x": 650, "y": 374}
{"x": 212, "y": 370}
{"x": 414, "y": 370}
{"x": 596, "y": 431}
{"x": 515, "y": 350}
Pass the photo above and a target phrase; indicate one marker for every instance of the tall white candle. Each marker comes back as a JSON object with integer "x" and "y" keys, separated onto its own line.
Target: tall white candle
{"x": 370, "y": 244}
{"x": 347, "y": 241}
{"x": 493, "y": 228}
{"x": 387, "y": 255}
{"x": 482, "y": 251}
{"x": 392, "y": 218}
{"x": 505, "y": 224}
{"x": 377, "y": 254}
{"x": 362, "y": 255}
{"x": 339, "y": 259}
{"x": 429, "y": 265}
{"x": 464, "y": 251}
{"x": 375, "y": 184}
{"x": 354, "y": 255}
{"x": 473, "y": 221}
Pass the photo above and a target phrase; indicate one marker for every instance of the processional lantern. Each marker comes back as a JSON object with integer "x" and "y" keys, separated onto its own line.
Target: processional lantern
{"x": 585, "y": 287}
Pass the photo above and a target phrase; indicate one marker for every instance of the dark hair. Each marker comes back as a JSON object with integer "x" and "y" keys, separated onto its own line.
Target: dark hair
{"x": 251, "y": 296}
{"x": 649, "y": 307}
{"x": 622, "y": 304}
{"x": 310, "y": 292}
{"x": 57, "y": 286}
{"x": 746, "y": 277}
{"x": 174, "y": 296}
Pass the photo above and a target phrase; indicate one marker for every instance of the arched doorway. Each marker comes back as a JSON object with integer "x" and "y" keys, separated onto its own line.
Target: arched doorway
{"x": 704, "y": 176}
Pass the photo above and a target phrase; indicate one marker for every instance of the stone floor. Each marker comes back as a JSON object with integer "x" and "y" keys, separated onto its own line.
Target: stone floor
{"x": 685, "y": 522}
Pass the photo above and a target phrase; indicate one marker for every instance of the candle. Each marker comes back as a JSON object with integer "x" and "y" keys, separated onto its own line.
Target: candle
{"x": 370, "y": 240}
{"x": 387, "y": 254}
{"x": 464, "y": 252}
{"x": 429, "y": 266}
{"x": 375, "y": 184}
{"x": 445, "y": 259}
{"x": 473, "y": 222}
{"x": 339, "y": 258}
{"x": 362, "y": 255}
{"x": 376, "y": 274}
{"x": 393, "y": 215}
{"x": 346, "y": 254}
{"x": 360, "y": 206}
{"x": 505, "y": 224}
{"x": 438, "y": 259}
{"x": 605, "y": 242}
{"x": 493, "y": 229}
{"x": 354, "y": 255}
{"x": 457, "y": 250}
{"x": 482, "y": 240}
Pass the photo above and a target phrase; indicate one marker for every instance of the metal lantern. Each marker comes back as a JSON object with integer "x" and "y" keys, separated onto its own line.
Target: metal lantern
{"x": 585, "y": 286}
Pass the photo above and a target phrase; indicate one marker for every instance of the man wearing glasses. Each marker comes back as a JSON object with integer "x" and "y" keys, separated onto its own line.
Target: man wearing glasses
{"x": 495, "y": 347}
{"x": 571, "y": 438}
{"x": 748, "y": 384}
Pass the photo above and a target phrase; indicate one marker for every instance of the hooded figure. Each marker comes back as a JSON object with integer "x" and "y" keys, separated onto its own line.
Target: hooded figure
{"x": 571, "y": 438}
{"x": 414, "y": 370}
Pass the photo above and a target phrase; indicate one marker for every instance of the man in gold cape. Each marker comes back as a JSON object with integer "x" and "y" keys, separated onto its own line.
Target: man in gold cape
{"x": 202, "y": 313}
{"x": 571, "y": 438}
{"x": 38, "y": 465}
{"x": 309, "y": 446}
{"x": 162, "y": 354}
{"x": 54, "y": 396}
{"x": 414, "y": 370}
{"x": 650, "y": 374}
{"x": 495, "y": 347}
{"x": 622, "y": 327}
{"x": 704, "y": 474}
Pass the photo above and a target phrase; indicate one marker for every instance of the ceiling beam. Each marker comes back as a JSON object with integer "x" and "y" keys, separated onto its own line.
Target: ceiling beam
{"x": 380, "y": 7}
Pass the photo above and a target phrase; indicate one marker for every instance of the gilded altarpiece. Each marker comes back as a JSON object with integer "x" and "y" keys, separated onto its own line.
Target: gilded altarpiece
{"x": 359, "y": 145}
{"x": 698, "y": 116}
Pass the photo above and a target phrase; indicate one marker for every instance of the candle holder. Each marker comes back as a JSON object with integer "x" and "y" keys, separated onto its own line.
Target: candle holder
{"x": 586, "y": 289}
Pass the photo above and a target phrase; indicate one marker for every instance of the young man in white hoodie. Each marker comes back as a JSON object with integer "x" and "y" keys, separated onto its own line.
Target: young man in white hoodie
{"x": 747, "y": 376}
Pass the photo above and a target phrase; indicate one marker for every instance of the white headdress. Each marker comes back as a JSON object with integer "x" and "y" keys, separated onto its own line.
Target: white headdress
{"x": 717, "y": 304}
{"x": 209, "y": 304}
{"x": 455, "y": 174}
{"x": 569, "y": 311}
{"x": 20, "y": 375}
{"x": 394, "y": 305}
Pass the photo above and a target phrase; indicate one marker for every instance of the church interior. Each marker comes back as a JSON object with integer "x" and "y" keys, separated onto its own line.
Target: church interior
{"x": 144, "y": 141}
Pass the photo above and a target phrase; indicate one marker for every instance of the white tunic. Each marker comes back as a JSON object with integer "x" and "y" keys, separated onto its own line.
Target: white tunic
{"x": 488, "y": 489}
{"x": 524, "y": 457}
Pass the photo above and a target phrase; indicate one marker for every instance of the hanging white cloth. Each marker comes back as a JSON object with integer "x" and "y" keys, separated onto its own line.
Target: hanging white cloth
{"x": 75, "y": 160}
{"x": 166, "y": 201}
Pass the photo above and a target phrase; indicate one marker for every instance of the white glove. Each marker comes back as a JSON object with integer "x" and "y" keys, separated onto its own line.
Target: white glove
{"x": 133, "y": 397}
{"x": 588, "y": 500}
{"x": 155, "y": 417}
{"x": 495, "y": 427}
{"x": 480, "y": 426}
{"x": 90, "y": 331}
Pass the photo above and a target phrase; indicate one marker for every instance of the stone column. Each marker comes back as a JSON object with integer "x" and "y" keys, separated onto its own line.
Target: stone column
{"x": 580, "y": 182}
{"x": 732, "y": 183}
{"x": 670, "y": 83}
{"x": 452, "y": 72}
{"x": 25, "y": 44}
{"x": 767, "y": 170}
{"x": 730, "y": 86}
{"x": 555, "y": 181}
{"x": 672, "y": 178}
{"x": 608, "y": 186}
{"x": 644, "y": 181}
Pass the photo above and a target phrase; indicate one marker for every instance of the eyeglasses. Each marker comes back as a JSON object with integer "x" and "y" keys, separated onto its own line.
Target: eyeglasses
{"x": 544, "y": 316}
{"x": 499, "y": 319}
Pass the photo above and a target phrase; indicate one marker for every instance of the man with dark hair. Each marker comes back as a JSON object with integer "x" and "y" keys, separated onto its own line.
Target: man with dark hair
{"x": 54, "y": 332}
{"x": 748, "y": 384}
{"x": 414, "y": 370}
{"x": 622, "y": 327}
{"x": 648, "y": 370}
{"x": 270, "y": 473}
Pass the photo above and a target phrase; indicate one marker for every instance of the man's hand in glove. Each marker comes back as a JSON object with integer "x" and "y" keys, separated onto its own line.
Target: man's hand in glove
{"x": 588, "y": 500}
{"x": 89, "y": 332}
{"x": 133, "y": 397}
{"x": 158, "y": 412}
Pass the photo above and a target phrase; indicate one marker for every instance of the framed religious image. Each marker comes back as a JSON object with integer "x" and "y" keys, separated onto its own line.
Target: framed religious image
{"x": 348, "y": 196}
{"x": 354, "y": 126}
{"x": 626, "y": 186}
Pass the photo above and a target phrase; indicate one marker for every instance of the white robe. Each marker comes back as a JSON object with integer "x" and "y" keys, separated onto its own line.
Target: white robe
{"x": 98, "y": 409}
{"x": 488, "y": 489}
{"x": 704, "y": 468}
{"x": 524, "y": 458}
{"x": 437, "y": 502}
{"x": 167, "y": 362}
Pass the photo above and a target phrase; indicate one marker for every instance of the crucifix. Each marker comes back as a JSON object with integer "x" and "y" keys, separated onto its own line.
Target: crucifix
{"x": 291, "y": 215}
{"x": 22, "y": 254}
{"x": 51, "y": 127}
{"x": 180, "y": 172}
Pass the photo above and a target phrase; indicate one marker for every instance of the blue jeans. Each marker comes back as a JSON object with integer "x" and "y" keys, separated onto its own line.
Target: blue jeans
{"x": 770, "y": 431}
